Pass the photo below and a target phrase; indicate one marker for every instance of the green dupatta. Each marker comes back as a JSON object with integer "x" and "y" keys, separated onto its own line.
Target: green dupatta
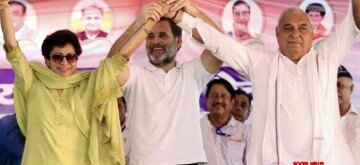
{"x": 100, "y": 89}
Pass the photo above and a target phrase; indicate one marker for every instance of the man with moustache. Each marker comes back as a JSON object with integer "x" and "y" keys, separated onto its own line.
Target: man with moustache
{"x": 350, "y": 115}
{"x": 296, "y": 117}
{"x": 242, "y": 104}
{"x": 163, "y": 96}
{"x": 225, "y": 138}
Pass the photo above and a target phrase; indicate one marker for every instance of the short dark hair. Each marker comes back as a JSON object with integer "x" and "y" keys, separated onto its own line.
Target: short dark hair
{"x": 240, "y": 2}
{"x": 223, "y": 82}
{"x": 18, "y": 3}
{"x": 175, "y": 29}
{"x": 343, "y": 72}
{"x": 316, "y": 7}
{"x": 60, "y": 38}
{"x": 241, "y": 92}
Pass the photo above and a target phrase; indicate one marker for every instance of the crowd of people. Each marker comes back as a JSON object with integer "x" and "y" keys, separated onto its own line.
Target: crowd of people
{"x": 121, "y": 113}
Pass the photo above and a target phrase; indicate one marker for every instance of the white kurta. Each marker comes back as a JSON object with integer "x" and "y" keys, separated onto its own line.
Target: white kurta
{"x": 350, "y": 124}
{"x": 266, "y": 72}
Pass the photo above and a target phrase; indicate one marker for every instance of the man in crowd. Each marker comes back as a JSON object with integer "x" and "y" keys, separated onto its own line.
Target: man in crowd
{"x": 12, "y": 142}
{"x": 163, "y": 130}
{"x": 242, "y": 104}
{"x": 350, "y": 115}
{"x": 295, "y": 83}
{"x": 225, "y": 138}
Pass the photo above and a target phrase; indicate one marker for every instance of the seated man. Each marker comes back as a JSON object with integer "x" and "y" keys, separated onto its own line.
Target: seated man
{"x": 242, "y": 104}
{"x": 350, "y": 115}
{"x": 225, "y": 139}
{"x": 12, "y": 142}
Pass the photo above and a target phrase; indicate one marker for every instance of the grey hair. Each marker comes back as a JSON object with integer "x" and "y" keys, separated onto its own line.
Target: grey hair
{"x": 293, "y": 10}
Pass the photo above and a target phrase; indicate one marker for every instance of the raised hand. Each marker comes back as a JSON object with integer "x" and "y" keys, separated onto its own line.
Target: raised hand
{"x": 7, "y": 26}
{"x": 152, "y": 11}
{"x": 176, "y": 5}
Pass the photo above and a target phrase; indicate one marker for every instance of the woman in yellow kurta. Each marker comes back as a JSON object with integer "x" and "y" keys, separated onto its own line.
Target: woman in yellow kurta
{"x": 67, "y": 116}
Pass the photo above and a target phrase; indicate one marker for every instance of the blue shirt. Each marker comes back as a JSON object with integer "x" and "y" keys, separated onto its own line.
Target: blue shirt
{"x": 12, "y": 141}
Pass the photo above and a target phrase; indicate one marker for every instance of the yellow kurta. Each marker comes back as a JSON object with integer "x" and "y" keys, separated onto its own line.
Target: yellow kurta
{"x": 79, "y": 127}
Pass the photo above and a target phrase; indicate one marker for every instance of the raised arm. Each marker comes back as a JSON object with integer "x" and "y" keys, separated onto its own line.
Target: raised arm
{"x": 356, "y": 12}
{"x": 6, "y": 26}
{"x": 193, "y": 11}
{"x": 126, "y": 45}
{"x": 135, "y": 41}
{"x": 148, "y": 11}
{"x": 209, "y": 61}
{"x": 232, "y": 52}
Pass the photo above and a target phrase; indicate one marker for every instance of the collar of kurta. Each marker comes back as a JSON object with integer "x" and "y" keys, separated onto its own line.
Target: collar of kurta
{"x": 153, "y": 68}
{"x": 353, "y": 110}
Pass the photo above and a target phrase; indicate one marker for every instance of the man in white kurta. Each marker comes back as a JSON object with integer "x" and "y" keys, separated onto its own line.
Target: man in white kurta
{"x": 350, "y": 115}
{"x": 296, "y": 115}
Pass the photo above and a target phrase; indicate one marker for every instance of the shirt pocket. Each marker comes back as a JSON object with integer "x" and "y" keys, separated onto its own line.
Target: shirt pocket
{"x": 235, "y": 149}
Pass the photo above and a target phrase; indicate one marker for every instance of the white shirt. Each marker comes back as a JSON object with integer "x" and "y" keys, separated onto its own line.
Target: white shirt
{"x": 267, "y": 144}
{"x": 350, "y": 124}
{"x": 164, "y": 113}
{"x": 229, "y": 149}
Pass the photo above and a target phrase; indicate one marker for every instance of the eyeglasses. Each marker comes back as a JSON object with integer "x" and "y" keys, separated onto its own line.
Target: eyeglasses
{"x": 70, "y": 58}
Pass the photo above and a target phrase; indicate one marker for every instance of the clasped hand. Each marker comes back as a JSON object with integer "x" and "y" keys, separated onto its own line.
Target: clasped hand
{"x": 163, "y": 8}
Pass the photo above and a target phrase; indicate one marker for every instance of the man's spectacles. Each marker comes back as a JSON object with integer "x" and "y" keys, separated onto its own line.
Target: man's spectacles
{"x": 70, "y": 58}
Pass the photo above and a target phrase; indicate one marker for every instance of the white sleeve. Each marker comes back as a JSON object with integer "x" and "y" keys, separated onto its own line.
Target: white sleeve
{"x": 201, "y": 75}
{"x": 337, "y": 45}
{"x": 133, "y": 78}
{"x": 237, "y": 55}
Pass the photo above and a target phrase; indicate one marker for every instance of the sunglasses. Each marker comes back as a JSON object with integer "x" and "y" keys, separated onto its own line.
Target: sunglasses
{"x": 70, "y": 58}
